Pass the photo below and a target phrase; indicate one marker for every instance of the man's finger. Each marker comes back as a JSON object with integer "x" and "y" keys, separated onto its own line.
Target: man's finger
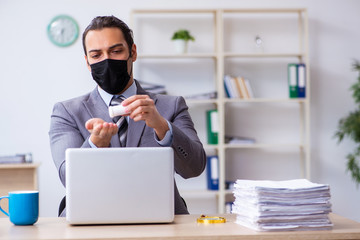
{"x": 133, "y": 98}
{"x": 91, "y": 122}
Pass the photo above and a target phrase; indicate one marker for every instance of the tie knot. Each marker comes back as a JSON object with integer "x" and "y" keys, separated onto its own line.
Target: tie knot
{"x": 117, "y": 100}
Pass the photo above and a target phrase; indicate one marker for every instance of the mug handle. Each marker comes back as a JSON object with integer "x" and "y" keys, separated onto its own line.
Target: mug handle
{"x": 3, "y": 209}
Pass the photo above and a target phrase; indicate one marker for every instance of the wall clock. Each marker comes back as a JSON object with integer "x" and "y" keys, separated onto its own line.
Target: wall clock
{"x": 63, "y": 30}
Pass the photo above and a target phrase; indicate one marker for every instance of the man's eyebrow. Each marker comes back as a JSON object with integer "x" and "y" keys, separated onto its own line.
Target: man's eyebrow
{"x": 116, "y": 45}
{"x": 110, "y": 48}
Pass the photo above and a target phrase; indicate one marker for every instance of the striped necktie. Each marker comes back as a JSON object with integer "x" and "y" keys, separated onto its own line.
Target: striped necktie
{"x": 120, "y": 120}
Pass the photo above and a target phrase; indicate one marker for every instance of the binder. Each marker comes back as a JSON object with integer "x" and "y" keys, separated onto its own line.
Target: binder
{"x": 301, "y": 77}
{"x": 212, "y": 122}
{"x": 292, "y": 80}
{"x": 212, "y": 172}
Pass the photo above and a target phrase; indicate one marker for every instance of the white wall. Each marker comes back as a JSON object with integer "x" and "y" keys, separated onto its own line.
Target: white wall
{"x": 34, "y": 74}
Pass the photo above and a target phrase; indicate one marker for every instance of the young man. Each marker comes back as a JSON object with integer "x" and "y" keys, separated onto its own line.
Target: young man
{"x": 152, "y": 120}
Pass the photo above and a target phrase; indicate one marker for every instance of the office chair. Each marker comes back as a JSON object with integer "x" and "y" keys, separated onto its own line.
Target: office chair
{"x": 62, "y": 205}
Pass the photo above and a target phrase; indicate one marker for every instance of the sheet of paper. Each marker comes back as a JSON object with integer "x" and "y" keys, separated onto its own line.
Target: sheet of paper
{"x": 282, "y": 205}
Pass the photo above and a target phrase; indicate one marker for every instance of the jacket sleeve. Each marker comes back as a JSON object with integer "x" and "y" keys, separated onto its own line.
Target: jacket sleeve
{"x": 64, "y": 133}
{"x": 190, "y": 157}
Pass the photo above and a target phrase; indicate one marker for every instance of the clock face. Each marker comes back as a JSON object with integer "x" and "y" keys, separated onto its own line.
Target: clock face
{"x": 63, "y": 30}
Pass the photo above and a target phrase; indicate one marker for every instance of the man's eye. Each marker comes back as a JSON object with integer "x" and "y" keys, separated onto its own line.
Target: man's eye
{"x": 95, "y": 56}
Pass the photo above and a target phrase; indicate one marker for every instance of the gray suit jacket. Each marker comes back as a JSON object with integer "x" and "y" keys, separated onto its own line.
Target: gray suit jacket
{"x": 67, "y": 130}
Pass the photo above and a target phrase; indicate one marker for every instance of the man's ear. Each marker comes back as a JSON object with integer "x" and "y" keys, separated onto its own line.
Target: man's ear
{"x": 133, "y": 52}
{"x": 87, "y": 63}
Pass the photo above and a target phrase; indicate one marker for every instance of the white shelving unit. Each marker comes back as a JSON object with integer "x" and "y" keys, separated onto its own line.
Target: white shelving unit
{"x": 227, "y": 31}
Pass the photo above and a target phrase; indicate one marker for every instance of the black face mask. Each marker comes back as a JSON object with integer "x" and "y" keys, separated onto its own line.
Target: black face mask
{"x": 111, "y": 75}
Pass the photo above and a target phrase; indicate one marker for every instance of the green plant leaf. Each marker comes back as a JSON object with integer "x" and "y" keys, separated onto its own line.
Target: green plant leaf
{"x": 182, "y": 34}
{"x": 349, "y": 126}
{"x": 353, "y": 167}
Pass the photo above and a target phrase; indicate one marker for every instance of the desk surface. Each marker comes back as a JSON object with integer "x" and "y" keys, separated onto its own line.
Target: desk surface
{"x": 184, "y": 227}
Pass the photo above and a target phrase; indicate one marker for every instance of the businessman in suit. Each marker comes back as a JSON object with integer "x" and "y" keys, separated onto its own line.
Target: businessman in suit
{"x": 152, "y": 120}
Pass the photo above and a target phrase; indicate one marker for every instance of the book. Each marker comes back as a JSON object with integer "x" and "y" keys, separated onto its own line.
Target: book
{"x": 231, "y": 88}
{"x": 227, "y": 86}
{"x": 301, "y": 79}
{"x": 239, "y": 140}
{"x": 212, "y": 172}
{"x": 209, "y": 95}
{"x": 153, "y": 88}
{"x": 292, "y": 80}
{"x": 18, "y": 158}
{"x": 237, "y": 87}
{"x": 243, "y": 88}
{"x": 212, "y": 122}
{"x": 236, "y": 93}
{"x": 227, "y": 93}
{"x": 249, "y": 88}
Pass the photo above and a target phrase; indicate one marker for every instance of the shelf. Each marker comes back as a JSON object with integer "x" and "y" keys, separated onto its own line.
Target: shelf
{"x": 199, "y": 193}
{"x": 253, "y": 145}
{"x": 239, "y": 100}
{"x": 188, "y": 194}
{"x": 235, "y": 10}
{"x": 210, "y": 146}
{"x": 19, "y": 165}
{"x": 175, "y": 56}
{"x": 183, "y": 11}
{"x": 263, "y": 55}
{"x": 231, "y": 58}
{"x": 265, "y": 10}
{"x": 226, "y": 55}
{"x": 263, "y": 145}
{"x": 201, "y": 101}
{"x": 266, "y": 100}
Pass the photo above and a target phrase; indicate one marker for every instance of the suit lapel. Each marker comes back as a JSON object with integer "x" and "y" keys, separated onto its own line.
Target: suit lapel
{"x": 97, "y": 108}
{"x": 136, "y": 129}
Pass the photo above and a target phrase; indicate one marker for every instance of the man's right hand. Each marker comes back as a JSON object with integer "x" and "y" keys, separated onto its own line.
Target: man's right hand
{"x": 101, "y": 131}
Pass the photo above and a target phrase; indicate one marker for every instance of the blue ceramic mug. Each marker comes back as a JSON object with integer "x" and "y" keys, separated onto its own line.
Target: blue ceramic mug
{"x": 23, "y": 207}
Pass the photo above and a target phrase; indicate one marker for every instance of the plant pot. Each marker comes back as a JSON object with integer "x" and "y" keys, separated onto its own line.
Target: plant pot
{"x": 180, "y": 46}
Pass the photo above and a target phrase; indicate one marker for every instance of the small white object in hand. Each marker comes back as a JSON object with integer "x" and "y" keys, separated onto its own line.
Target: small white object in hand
{"x": 117, "y": 110}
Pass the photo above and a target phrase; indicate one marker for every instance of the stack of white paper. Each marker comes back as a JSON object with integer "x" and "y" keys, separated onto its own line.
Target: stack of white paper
{"x": 282, "y": 205}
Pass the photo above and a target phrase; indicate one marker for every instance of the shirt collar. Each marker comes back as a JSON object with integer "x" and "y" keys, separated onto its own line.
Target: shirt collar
{"x": 128, "y": 93}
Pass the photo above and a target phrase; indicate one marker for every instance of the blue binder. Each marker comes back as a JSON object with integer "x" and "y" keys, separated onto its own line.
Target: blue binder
{"x": 301, "y": 76}
{"x": 212, "y": 172}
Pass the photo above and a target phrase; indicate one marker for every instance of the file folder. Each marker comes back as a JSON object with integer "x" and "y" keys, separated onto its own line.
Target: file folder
{"x": 212, "y": 121}
{"x": 212, "y": 172}
{"x": 292, "y": 79}
{"x": 301, "y": 77}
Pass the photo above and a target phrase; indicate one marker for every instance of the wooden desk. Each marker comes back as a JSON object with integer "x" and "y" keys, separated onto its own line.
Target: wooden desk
{"x": 184, "y": 227}
{"x": 15, "y": 177}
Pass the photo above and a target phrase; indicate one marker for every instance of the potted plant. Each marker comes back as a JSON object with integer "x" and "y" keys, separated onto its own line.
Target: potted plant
{"x": 181, "y": 39}
{"x": 349, "y": 126}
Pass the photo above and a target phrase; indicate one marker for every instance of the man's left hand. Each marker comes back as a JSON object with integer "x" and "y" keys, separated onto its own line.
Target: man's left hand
{"x": 142, "y": 107}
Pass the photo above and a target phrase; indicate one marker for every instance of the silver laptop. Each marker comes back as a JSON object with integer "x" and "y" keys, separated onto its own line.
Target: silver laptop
{"x": 119, "y": 185}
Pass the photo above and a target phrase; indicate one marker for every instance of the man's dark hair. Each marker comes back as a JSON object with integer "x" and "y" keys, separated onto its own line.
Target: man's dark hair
{"x": 101, "y": 22}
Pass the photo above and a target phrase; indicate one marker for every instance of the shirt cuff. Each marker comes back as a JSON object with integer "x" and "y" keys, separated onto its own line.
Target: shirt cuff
{"x": 92, "y": 144}
{"x": 167, "y": 140}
